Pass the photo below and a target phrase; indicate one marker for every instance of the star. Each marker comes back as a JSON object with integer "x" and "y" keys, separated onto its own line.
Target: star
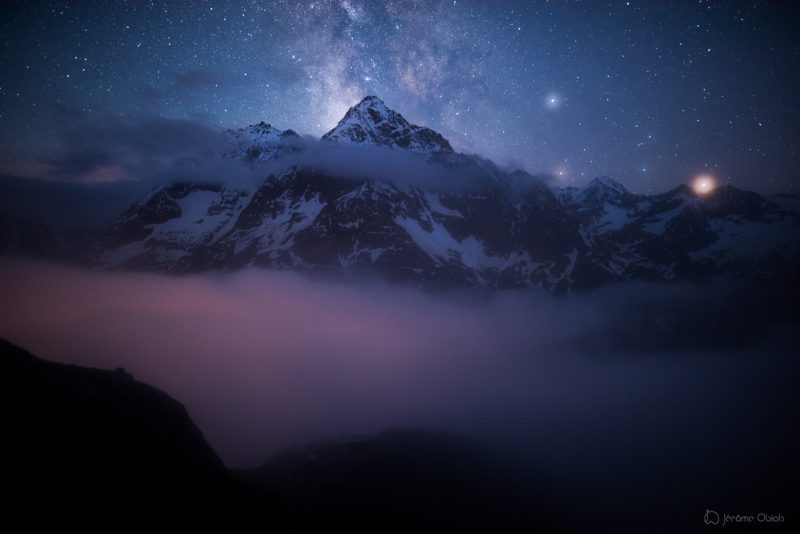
{"x": 553, "y": 101}
{"x": 540, "y": 81}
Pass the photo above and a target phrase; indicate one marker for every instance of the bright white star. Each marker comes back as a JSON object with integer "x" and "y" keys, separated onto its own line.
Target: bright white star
{"x": 552, "y": 101}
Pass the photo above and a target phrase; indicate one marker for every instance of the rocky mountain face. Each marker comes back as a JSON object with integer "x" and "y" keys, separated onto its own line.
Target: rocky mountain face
{"x": 372, "y": 123}
{"x": 261, "y": 142}
{"x": 683, "y": 235}
{"x": 493, "y": 229}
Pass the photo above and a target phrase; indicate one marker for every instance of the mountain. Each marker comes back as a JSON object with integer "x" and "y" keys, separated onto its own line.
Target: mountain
{"x": 439, "y": 219}
{"x": 683, "y": 235}
{"x": 305, "y": 219}
{"x": 261, "y": 142}
{"x": 372, "y": 123}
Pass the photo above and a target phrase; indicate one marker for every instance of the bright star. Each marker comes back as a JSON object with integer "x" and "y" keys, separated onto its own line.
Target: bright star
{"x": 553, "y": 101}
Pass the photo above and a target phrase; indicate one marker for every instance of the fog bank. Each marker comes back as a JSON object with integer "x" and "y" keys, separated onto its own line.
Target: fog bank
{"x": 615, "y": 399}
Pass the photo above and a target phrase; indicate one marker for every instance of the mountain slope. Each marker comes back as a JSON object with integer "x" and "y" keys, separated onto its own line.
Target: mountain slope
{"x": 372, "y": 123}
{"x": 307, "y": 220}
{"x": 404, "y": 480}
{"x": 261, "y": 142}
{"x": 682, "y": 235}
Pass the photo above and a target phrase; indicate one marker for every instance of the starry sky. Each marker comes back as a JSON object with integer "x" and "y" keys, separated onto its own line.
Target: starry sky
{"x": 649, "y": 93}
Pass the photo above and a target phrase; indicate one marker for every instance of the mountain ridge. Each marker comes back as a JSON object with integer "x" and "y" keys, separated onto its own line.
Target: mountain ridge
{"x": 491, "y": 228}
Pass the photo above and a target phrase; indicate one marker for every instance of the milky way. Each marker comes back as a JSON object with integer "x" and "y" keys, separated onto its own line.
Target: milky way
{"x": 649, "y": 93}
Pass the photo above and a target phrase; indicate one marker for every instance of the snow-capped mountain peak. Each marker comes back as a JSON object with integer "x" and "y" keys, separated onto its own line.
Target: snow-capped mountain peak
{"x": 261, "y": 142}
{"x": 604, "y": 190}
{"x": 606, "y": 183}
{"x": 371, "y": 122}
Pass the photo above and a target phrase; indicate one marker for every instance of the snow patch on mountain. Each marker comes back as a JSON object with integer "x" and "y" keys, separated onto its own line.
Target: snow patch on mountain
{"x": 436, "y": 206}
{"x": 658, "y": 224}
{"x": 740, "y": 238}
{"x": 276, "y": 233}
{"x": 614, "y": 218}
{"x": 443, "y": 247}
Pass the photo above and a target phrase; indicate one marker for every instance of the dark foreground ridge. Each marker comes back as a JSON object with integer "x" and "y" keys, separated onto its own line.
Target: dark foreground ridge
{"x": 99, "y": 451}
{"x": 96, "y": 451}
{"x": 404, "y": 480}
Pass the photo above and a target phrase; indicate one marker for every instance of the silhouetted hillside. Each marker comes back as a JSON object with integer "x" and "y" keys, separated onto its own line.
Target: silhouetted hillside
{"x": 403, "y": 480}
{"x": 97, "y": 450}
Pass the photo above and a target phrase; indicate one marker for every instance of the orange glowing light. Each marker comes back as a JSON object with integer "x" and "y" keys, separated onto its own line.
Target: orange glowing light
{"x": 704, "y": 184}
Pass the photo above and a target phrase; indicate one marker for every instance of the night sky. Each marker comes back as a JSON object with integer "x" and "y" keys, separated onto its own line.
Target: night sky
{"x": 649, "y": 93}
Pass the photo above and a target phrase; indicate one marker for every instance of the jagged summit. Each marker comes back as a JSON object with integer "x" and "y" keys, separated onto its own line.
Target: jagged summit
{"x": 604, "y": 189}
{"x": 369, "y": 100}
{"x": 261, "y": 142}
{"x": 371, "y": 122}
{"x": 605, "y": 182}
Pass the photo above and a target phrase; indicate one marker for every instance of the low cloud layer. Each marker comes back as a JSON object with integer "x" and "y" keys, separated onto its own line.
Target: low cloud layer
{"x": 106, "y": 162}
{"x": 622, "y": 403}
{"x": 103, "y": 147}
{"x": 358, "y": 162}
{"x": 264, "y": 360}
